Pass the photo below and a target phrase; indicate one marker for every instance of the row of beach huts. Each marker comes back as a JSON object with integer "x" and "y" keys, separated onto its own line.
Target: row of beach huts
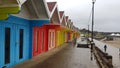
{"x": 31, "y": 27}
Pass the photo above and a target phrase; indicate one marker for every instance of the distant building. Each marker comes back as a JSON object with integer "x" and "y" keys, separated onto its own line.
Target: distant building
{"x": 113, "y": 36}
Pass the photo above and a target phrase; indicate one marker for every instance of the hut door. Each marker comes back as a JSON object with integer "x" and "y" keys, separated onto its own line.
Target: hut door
{"x": 42, "y": 41}
{"x": 58, "y": 38}
{"x": 36, "y": 46}
{"x": 13, "y": 42}
{"x": 5, "y": 44}
{"x": 21, "y": 42}
{"x": 51, "y": 40}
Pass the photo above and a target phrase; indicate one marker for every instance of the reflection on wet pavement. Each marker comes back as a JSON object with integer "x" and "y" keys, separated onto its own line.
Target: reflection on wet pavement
{"x": 70, "y": 57}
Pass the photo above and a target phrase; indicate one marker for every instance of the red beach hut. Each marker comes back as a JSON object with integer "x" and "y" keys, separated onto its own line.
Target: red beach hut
{"x": 44, "y": 36}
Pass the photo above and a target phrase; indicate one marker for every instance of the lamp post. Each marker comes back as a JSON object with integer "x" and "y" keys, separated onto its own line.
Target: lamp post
{"x": 88, "y": 30}
{"x": 93, "y": 2}
{"x": 92, "y": 43}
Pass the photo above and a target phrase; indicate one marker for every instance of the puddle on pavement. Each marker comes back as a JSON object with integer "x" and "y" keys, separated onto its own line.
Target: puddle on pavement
{"x": 82, "y": 46}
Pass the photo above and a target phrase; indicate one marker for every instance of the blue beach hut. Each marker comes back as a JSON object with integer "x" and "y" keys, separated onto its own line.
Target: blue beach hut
{"x": 16, "y": 32}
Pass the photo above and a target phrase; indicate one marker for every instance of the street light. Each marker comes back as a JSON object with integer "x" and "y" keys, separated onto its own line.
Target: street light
{"x": 92, "y": 43}
{"x": 93, "y": 2}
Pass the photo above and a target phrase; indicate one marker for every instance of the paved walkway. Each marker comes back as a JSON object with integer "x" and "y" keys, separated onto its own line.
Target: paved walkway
{"x": 68, "y": 56}
{"x": 40, "y": 58}
{"x": 82, "y": 40}
{"x": 111, "y": 51}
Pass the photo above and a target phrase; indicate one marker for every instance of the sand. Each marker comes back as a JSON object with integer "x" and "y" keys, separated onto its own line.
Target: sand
{"x": 113, "y": 43}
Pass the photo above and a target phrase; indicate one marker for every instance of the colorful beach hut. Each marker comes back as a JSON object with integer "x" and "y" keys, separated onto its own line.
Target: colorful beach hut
{"x": 46, "y": 34}
{"x": 16, "y": 32}
{"x": 9, "y": 7}
{"x": 40, "y": 17}
{"x": 54, "y": 24}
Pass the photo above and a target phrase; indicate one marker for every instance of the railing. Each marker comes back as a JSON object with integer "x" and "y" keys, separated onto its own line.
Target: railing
{"x": 104, "y": 60}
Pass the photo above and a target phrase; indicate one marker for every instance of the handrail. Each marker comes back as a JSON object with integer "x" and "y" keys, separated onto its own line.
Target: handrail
{"x": 106, "y": 59}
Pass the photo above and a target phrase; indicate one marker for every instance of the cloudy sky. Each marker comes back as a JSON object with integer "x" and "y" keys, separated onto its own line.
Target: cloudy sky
{"x": 107, "y": 13}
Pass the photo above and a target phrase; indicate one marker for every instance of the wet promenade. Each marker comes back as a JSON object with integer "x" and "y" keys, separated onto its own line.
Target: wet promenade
{"x": 69, "y": 56}
{"x": 113, "y": 51}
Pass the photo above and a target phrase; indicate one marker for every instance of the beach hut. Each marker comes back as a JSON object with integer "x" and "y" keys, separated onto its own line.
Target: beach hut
{"x": 50, "y": 36}
{"x": 68, "y": 29}
{"x": 60, "y": 35}
{"x": 66, "y": 33}
{"x": 13, "y": 32}
{"x": 14, "y": 41}
{"x": 64, "y": 20}
{"x": 51, "y": 28}
{"x": 42, "y": 16}
{"x": 16, "y": 32}
{"x": 46, "y": 34}
{"x": 8, "y": 7}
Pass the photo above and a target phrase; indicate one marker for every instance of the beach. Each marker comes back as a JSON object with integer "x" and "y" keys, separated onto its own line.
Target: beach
{"x": 113, "y": 43}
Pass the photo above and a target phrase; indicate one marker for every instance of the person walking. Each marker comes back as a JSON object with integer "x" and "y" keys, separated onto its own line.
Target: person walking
{"x": 105, "y": 48}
